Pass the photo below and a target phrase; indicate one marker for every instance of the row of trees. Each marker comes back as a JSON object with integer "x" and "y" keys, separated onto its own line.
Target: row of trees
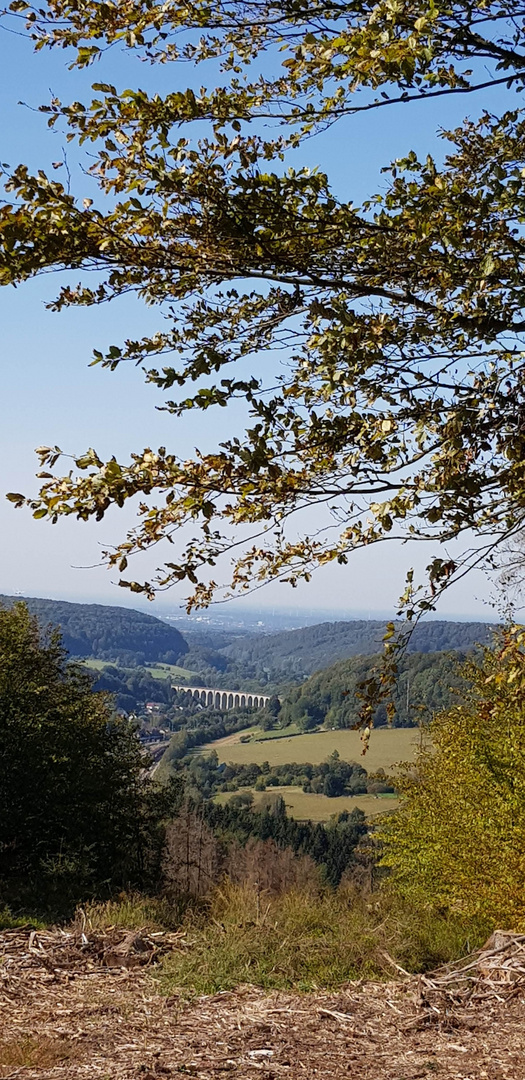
{"x": 202, "y": 727}
{"x": 332, "y": 777}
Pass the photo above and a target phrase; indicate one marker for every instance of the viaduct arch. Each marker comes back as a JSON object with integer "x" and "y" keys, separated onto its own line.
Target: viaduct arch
{"x": 223, "y": 699}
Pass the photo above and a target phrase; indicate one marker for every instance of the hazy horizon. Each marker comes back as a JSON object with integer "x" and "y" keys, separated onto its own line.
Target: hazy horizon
{"x": 239, "y": 609}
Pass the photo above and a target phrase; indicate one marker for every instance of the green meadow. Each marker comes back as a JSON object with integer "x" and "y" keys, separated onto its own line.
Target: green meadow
{"x": 386, "y": 748}
{"x": 307, "y": 806}
{"x": 157, "y": 671}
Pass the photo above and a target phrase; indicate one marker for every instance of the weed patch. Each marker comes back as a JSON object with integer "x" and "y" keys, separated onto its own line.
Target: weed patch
{"x": 8, "y": 921}
{"x": 131, "y": 911}
{"x": 32, "y": 1052}
{"x": 308, "y": 942}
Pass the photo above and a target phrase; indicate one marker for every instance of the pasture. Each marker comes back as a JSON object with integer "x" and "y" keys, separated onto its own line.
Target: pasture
{"x": 310, "y": 807}
{"x": 157, "y": 671}
{"x": 171, "y": 671}
{"x": 387, "y": 747}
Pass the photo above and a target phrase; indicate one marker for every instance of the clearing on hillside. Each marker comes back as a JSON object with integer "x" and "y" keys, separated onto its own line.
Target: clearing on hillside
{"x": 171, "y": 671}
{"x": 387, "y": 747}
{"x": 157, "y": 671}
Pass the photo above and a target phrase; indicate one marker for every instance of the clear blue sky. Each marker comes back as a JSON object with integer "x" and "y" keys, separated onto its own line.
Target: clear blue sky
{"x": 49, "y": 395}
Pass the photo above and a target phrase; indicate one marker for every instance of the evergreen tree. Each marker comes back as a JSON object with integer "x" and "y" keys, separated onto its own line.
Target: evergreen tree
{"x": 72, "y": 793}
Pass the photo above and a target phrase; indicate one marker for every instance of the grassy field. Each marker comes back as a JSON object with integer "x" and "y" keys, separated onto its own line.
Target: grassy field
{"x": 171, "y": 671}
{"x": 387, "y": 747}
{"x": 262, "y": 736}
{"x": 95, "y": 665}
{"x": 311, "y": 807}
{"x": 158, "y": 671}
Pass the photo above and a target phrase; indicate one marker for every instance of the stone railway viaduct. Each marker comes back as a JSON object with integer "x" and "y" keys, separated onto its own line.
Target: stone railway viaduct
{"x": 223, "y": 699}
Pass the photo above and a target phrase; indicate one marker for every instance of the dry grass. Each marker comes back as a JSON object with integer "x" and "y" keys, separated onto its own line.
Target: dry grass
{"x": 132, "y": 912}
{"x": 40, "y": 1052}
{"x": 387, "y": 746}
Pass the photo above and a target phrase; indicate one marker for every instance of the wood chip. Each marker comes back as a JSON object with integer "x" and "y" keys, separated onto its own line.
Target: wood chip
{"x": 66, "y": 1015}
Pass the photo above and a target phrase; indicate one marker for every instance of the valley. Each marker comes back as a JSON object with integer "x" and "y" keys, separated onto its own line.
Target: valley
{"x": 308, "y": 720}
{"x": 387, "y": 747}
{"x": 262, "y": 791}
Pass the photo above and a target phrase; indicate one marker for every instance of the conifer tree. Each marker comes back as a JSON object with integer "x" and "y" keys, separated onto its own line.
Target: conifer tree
{"x": 72, "y": 794}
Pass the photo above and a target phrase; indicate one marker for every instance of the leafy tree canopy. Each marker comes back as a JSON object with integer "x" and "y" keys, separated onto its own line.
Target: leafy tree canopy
{"x": 295, "y": 654}
{"x": 400, "y": 407}
{"x": 457, "y": 840}
{"x": 424, "y": 684}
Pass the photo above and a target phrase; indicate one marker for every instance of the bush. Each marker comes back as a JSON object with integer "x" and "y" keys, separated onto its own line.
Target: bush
{"x": 244, "y": 800}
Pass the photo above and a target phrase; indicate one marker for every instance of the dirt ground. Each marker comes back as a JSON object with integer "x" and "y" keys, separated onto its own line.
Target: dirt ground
{"x": 94, "y": 1020}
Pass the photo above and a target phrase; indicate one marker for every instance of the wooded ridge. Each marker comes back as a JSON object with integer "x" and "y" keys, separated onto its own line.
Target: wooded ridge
{"x": 107, "y": 632}
{"x": 293, "y": 655}
{"x": 426, "y": 683}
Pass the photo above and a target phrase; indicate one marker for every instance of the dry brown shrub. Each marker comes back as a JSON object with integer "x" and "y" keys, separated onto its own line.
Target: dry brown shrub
{"x": 192, "y": 856}
{"x": 265, "y": 867}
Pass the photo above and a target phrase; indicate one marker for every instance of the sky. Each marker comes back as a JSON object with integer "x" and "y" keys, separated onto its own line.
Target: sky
{"x": 50, "y": 396}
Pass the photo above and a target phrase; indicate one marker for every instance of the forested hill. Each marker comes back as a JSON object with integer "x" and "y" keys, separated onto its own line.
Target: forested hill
{"x": 426, "y": 683}
{"x": 108, "y": 633}
{"x": 295, "y": 654}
